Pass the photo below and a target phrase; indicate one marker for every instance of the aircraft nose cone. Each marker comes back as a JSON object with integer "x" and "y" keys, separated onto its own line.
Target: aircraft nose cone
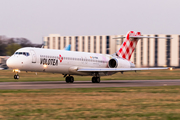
{"x": 9, "y": 62}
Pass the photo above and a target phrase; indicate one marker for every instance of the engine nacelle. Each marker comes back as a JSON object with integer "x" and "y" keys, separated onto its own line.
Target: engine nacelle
{"x": 119, "y": 63}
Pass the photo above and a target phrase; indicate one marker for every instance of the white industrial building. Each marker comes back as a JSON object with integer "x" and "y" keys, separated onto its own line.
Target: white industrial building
{"x": 148, "y": 53}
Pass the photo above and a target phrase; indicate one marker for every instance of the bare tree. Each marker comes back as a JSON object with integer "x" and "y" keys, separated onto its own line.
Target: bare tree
{"x": 14, "y": 44}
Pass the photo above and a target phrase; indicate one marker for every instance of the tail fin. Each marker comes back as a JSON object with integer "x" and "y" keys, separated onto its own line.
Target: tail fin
{"x": 68, "y": 48}
{"x": 128, "y": 46}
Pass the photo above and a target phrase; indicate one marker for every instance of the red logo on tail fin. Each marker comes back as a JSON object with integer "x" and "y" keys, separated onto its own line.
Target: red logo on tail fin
{"x": 128, "y": 45}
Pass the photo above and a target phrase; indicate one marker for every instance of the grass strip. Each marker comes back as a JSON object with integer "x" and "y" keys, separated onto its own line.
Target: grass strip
{"x": 92, "y": 103}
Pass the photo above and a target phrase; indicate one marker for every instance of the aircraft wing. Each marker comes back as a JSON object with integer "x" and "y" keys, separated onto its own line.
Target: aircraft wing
{"x": 116, "y": 69}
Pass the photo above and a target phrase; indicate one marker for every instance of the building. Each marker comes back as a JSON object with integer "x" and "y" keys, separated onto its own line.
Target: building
{"x": 150, "y": 52}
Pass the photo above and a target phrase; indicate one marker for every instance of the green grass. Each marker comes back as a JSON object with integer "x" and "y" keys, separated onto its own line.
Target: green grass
{"x": 7, "y": 76}
{"x": 137, "y": 103}
{"x": 159, "y": 103}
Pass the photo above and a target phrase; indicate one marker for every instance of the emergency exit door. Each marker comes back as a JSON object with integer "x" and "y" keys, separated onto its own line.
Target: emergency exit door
{"x": 33, "y": 54}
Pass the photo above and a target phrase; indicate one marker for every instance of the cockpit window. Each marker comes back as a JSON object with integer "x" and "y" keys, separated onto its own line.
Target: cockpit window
{"x": 22, "y": 53}
{"x": 27, "y": 54}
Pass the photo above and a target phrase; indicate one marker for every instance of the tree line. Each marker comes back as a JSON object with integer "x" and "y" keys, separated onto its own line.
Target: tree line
{"x": 9, "y": 45}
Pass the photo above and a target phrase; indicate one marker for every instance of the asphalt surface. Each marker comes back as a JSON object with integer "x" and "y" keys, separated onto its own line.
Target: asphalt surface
{"x": 87, "y": 84}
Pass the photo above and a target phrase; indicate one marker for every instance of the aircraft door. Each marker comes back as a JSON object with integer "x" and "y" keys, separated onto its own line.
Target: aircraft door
{"x": 33, "y": 56}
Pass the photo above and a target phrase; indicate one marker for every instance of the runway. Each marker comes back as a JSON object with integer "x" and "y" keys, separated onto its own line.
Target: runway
{"x": 87, "y": 84}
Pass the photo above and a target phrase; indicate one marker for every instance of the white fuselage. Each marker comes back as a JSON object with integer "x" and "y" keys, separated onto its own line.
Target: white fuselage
{"x": 61, "y": 61}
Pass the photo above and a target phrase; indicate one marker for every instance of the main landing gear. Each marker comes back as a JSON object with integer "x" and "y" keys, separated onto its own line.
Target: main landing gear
{"x": 69, "y": 79}
{"x": 96, "y": 80}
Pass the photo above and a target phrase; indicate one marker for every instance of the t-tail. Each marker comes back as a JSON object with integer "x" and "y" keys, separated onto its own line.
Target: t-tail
{"x": 127, "y": 48}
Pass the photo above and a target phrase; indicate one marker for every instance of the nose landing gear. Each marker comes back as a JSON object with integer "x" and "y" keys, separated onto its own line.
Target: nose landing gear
{"x": 16, "y": 76}
{"x": 69, "y": 79}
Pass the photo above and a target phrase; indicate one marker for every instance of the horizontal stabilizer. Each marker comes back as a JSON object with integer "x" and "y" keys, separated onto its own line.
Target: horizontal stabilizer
{"x": 116, "y": 69}
{"x": 140, "y": 37}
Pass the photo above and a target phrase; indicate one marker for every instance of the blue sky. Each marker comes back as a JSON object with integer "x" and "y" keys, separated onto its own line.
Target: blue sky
{"x": 33, "y": 19}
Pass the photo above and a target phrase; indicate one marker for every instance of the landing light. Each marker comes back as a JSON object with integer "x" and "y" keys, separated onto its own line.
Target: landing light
{"x": 45, "y": 66}
{"x": 16, "y": 70}
{"x": 171, "y": 68}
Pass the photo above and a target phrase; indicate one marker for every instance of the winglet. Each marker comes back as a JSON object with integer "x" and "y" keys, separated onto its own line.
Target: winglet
{"x": 68, "y": 48}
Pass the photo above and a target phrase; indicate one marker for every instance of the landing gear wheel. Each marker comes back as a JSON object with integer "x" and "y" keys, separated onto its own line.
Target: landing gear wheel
{"x": 93, "y": 79}
{"x": 69, "y": 79}
{"x": 16, "y": 76}
{"x": 96, "y": 80}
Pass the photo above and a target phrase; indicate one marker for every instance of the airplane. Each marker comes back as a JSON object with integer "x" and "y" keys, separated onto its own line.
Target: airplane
{"x": 71, "y": 63}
